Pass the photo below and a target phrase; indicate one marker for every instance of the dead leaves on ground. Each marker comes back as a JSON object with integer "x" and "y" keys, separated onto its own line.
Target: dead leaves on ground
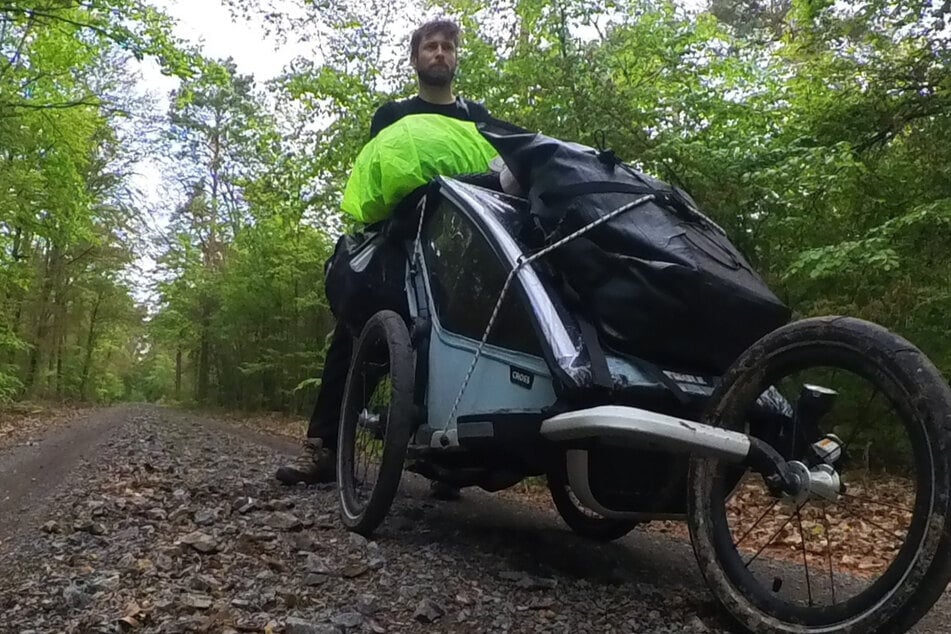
{"x": 23, "y": 423}
{"x": 860, "y": 534}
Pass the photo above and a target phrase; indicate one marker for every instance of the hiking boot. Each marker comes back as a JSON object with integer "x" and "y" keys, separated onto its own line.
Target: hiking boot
{"x": 314, "y": 465}
{"x": 442, "y": 491}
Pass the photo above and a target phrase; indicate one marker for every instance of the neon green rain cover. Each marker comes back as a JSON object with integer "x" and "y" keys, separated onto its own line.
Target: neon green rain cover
{"x": 408, "y": 154}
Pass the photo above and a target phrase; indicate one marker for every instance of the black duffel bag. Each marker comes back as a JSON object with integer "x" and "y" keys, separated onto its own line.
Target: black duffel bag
{"x": 660, "y": 281}
{"x": 365, "y": 274}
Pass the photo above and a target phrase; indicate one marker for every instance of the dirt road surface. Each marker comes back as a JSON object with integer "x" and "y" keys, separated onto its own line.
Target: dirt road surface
{"x": 144, "y": 519}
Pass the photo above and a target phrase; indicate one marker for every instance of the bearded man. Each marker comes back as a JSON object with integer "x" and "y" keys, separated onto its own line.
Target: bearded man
{"x": 433, "y": 55}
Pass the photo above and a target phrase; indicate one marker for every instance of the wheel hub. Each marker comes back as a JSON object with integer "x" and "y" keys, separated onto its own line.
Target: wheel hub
{"x": 370, "y": 421}
{"x": 821, "y": 481}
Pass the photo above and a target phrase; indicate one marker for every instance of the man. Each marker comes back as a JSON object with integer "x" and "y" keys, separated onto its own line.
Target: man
{"x": 433, "y": 56}
{"x": 433, "y": 49}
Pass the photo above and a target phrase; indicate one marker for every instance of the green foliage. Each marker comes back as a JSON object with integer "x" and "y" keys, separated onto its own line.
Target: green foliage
{"x": 814, "y": 132}
{"x": 68, "y": 324}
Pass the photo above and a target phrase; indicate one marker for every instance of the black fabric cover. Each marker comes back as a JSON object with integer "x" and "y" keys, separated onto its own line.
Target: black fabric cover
{"x": 661, "y": 281}
{"x": 365, "y": 274}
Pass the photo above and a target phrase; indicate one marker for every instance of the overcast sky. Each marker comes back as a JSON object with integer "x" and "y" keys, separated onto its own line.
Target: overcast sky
{"x": 209, "y": 23}
{"x": 206, "y": 23}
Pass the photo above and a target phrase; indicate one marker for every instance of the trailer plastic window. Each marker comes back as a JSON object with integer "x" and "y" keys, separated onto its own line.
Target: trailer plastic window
{"x": 466, "y": 278}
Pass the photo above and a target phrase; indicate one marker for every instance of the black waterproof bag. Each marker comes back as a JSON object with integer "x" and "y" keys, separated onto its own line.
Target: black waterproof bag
{"x": 365, "y": 274}
{"x": 659, "y": 281}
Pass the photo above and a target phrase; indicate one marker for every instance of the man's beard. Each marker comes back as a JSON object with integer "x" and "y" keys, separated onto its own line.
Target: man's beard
{"x": 438, "y": 76}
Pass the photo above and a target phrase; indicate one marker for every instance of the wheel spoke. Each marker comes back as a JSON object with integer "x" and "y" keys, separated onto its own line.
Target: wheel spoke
{"x": 369, "y": 452}
{"x": 828, "y": 532}
{"x": 361, "y": 447}
{"x": 737, "y": 543}
{"x": 773, "y": 538}
{"x": 365, "y": 459}
{"x": 862, "y": 498}
{"x": 361, "y": 478}
{"x": 805, "y": 558}
{"x": 369, "y": 446}
{"x": 358, "y": 459}
{"x": 862, "y": 518}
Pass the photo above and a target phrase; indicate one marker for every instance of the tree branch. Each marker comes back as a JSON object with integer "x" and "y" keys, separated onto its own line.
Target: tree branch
{"x": 15, "y": 58}
{"x": 34, "y": 13}
{"x": 44, "y": 106}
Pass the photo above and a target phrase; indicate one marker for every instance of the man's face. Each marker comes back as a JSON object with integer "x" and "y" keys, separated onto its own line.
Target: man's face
{"x": 435, "y": 60}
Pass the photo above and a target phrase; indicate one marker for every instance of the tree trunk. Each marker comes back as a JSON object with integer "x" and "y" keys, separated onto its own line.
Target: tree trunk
{"x": 16, "y": 295}
{"x": 90, "y": 344}
{"x": 178, "y": 373}
{"x": 204, "y": 356}
{"x": 43, "y": 315}
{"x": 17, "y": 236}
{"x": 60, "y": 339}
{"x": 60, "y": 331}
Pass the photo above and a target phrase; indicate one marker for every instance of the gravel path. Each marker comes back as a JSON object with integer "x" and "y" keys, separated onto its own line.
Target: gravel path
{"x": 143, "y": 519}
